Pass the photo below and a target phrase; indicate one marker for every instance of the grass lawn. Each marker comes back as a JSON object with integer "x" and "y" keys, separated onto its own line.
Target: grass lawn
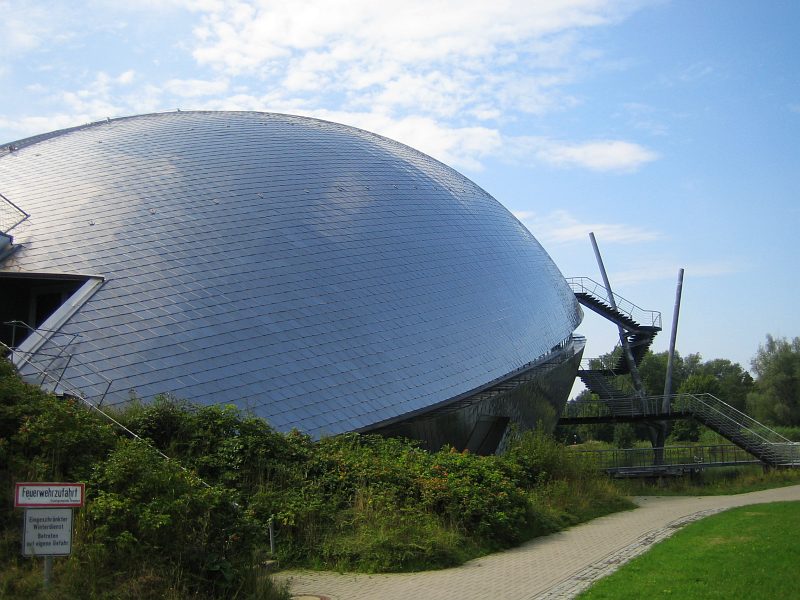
{"x": 747, "y": 552}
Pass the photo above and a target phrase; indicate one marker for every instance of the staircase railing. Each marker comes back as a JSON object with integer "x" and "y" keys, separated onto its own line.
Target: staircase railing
{"x": 51, "y": 375}
{"x": 11, "y": 215}
{"x": 748, "y": 433}
{"x": 601, "y": 363}
{"x": 70, "y": 390}
{"x": 585, "y": 285}
{"x": 713, "y": 406}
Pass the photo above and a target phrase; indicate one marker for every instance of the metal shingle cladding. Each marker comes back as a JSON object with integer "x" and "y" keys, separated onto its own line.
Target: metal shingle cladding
{"x": 322, "y": 276}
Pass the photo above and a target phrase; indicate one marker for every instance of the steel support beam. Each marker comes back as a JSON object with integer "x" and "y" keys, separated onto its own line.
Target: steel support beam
{"x": 623, "y": 334}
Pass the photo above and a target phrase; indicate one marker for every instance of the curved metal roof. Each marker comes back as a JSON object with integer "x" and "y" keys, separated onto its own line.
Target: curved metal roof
{"x": 324, "y": 277}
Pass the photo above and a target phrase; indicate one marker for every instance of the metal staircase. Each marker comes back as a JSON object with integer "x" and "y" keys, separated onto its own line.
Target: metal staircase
{"x": 616, "y": 404}
{"x": 754, "y": 437}
{"x": 639, "y": 326}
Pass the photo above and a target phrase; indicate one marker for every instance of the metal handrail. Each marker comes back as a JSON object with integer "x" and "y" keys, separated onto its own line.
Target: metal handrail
{"x": 40, "y": 330}
{"x": 672, "y": 456}
{"x": 74, "y": 392}
{"x": 608, "y": 362}
{"x": 46, "y": 372}
{"x": 728, "y": 420}
{"x": 18, "y": 215}
{"x": 714, "y": 404}
{"x": 649, "y": 318}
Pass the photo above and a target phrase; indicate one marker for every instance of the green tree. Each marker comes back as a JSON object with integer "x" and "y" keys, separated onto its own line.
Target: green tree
{"x": 653, "y": 370}
{"x": 776, "y": 395}
{"x": 701, "y": 383}
{"x": 624, "y": 435}
{"x": 734, "y": 382}
{"x": 688, "y": 430}
{"x": 569, "y": 434}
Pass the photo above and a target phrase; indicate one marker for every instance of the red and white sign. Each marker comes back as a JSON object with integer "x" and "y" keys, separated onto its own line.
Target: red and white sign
{"x": 54, "y": 495}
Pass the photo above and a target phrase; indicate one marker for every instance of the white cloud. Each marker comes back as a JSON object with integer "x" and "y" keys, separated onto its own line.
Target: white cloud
{"x": 645, "y": 117}
{"x": 36, "y": 88}
{"x": 693, "y": 74}
{"x": 419, "y": 71}
{"x": 599, "y": 155}
{"x": 27, "y": 126}
{"x": 460, "y": 147}
{"x": 244, "y": 35}
{"x": 443, "y": 76}
{"x": 561, "y": 227}
{"x": 126, "y": 78}
{"x": 596, "y": 155}
{"x": 103, "y": 96}
{"x": 100, "y": 98}
{"x": 440, "y": 59}
{"x": 25, "y": 26}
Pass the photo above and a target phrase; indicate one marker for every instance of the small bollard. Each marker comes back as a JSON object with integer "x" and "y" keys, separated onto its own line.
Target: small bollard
{"x": 271, "y": 537}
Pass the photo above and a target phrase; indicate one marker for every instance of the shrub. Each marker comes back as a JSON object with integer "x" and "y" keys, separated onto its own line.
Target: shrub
{"x": 151, "y": 511}
{"x": 358, "y": 502}
{"x": 149, "y": 529}
{"x": 475, "y": 494}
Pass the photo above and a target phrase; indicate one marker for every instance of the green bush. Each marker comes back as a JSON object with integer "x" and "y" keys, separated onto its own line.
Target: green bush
{"x": 149, "y": 509}
{"x": 376, "y": 535}
{"x": 477, "y": 495}
{"x": 196, "y": 525}
{"x": 150, "y": 529}
{"x": 45, "y": 437}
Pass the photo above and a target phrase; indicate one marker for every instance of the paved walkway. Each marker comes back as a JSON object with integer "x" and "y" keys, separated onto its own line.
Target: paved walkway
{"x": 556, "y": 566}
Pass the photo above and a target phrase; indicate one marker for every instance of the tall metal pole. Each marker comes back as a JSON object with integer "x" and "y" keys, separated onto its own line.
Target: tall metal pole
{"x": 623, "y": 336}
{"x": 665, "y": 404}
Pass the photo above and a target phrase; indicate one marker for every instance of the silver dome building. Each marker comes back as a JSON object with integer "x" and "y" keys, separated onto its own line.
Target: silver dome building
{"x": 322, "y": 277}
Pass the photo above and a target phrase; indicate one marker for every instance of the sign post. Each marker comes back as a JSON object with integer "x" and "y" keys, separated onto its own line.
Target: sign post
{"x": 47, "y": 526}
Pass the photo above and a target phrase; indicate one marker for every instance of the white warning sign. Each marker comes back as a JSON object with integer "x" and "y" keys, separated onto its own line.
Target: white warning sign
{"x": 48, "y": 532}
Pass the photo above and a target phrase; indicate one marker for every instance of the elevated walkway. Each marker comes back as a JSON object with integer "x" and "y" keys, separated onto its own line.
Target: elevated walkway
{"x": 765, "y": 444}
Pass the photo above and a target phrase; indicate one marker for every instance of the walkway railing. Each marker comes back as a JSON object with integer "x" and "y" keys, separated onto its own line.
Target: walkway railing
{"x": 751, "y": 435}
{"x": 685, "y": 457}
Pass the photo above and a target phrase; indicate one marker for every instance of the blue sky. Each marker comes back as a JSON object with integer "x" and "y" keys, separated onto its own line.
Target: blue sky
{"x": 670, "y": 129}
